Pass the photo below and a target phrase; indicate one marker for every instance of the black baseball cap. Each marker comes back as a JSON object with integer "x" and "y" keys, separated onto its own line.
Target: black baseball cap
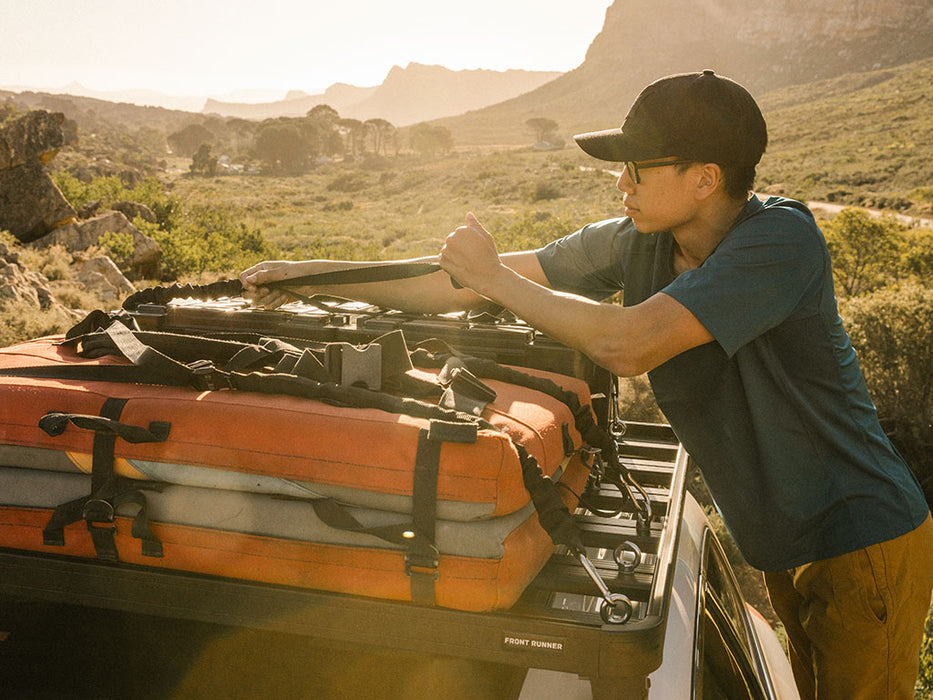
{"x": 693, "y": 116}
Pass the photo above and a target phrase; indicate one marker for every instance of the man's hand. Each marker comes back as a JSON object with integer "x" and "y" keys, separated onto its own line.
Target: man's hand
{"x": 255, "y": 278}
{"x": 470, "y": 256}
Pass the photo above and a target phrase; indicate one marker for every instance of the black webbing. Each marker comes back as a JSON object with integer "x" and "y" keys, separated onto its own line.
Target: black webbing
{"x": 422, "y": 557}
{"x": 362, "y": 274}
{"x": 108, "y": 491}
{"x": 233, "y": 288}
{"x": 419, "y": 537}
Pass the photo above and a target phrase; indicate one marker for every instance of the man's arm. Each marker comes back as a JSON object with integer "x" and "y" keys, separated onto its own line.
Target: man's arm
{"x": 625, "y": 340}
{"x": 433, "y": 293}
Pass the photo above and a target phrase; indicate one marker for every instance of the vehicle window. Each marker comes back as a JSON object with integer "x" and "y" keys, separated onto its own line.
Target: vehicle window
{"x": 724, "y": 670}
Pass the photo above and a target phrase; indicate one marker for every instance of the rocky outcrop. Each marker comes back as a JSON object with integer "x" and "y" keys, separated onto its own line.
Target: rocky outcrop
{"x": 131, "y": 210}
{"x": 34, "y": 210}
{"x": 144, "y": 261}
{"x": 100, "y": 276}
{"x": 31, "y": 204}
{"x": 765, "y": 45}
{"x": 35, "y": 136}
{"x": 19, "y": 284}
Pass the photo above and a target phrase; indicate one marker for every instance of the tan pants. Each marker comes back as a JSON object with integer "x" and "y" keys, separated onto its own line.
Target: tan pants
{"x": 855, "y": 622}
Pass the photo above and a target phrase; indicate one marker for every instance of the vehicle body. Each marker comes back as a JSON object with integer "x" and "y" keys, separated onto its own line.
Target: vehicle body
{"x": 689, "y": 635}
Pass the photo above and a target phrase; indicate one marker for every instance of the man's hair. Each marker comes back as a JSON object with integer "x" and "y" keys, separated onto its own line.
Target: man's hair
{"x": 739, "y": 180}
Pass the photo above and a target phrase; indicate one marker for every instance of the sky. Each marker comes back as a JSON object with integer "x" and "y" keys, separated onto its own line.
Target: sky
{"x": 196, "y": 47}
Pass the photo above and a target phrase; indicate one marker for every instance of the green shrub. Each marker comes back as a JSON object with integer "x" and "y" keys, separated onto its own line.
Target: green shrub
{"x": 892, "y": 331}
{"x": 865, "y": 250}
{"x": 349, "y": 182}
{"x": 119, "y": 246}
{"x": 543, "y": 191}
{"x": 53, "y": 262}
{"x": 166, "y": 207}
{"x": 208, "y": 240}
{"x": 20, "y": 320}
{"x": 917, "y": 257}
{"x": 924, "y": 687}
{"x": 531, "y": 229}
{"x": 75, "y": 191}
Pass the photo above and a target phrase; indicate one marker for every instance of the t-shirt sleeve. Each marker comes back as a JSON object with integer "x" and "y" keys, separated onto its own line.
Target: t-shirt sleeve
{"x": 757, "y": 277}
{"x": 589, "y": 261}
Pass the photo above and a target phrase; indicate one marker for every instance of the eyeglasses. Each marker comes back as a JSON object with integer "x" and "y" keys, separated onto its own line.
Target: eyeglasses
{"x": 634, "y": 167}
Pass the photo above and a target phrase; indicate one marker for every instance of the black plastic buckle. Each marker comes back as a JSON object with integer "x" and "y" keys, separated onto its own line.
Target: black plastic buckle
{"x": 205, "y": 376}
{"x": 424, "y": 561}
{"x": 352, "y": 365}
{"x": 464, "y": 381}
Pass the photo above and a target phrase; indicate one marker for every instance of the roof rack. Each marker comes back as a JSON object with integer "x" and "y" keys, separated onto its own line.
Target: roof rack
{"x": 555, "y": 625}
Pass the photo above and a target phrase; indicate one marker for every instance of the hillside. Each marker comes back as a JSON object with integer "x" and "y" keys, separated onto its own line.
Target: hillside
{"x": 408, "y": 95}
{"x": 765, "y": 47}
{"x": 90, "y": 111}
{"x": 861, "y": 138}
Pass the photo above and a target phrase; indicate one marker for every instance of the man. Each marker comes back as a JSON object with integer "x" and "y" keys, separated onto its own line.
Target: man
{"x": 729, "y": 306}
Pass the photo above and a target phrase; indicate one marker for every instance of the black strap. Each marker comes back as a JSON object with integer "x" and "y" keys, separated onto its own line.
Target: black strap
{"x": 232, "y": 288}
{"x": 422, "y": 556}
{"x": 418, "y": 537}
{"x": 108, "y": 491}
{"x": 361, "y": 274}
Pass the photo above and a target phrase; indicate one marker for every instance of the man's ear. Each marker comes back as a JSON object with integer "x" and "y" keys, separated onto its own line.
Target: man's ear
{"x": 710, "y": 179}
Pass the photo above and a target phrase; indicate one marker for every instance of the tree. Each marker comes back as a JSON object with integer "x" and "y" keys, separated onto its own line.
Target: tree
{"x": 281, "y": 146}
{"x": 429, "y": 140}
{"x": 380, "y": 129}
{"x": 243, "y": 130}
{"x": 203, "y": 163}
{"x": 186, "y": 141}
{"x": 545, "y": 129}
{"x": 355, "y": 134}
{"x": 325, "y": 115}
{"x": 326, "y": 119}
{"x": 865, "y": 250}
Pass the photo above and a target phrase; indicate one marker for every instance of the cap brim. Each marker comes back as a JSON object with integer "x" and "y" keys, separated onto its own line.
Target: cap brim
{"x": 608, "y": 144}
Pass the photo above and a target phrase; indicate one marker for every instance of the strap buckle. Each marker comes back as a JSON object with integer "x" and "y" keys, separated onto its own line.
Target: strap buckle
{"x": 96, "y": 513}
{"x": 464, "y": 391}
{"x": 422, "y": 561}
{"x": 205, "y": 376}
{"x": 351, "y": 365}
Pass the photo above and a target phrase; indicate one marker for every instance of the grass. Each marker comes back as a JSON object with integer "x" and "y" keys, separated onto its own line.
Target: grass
{"x": 407, "y": 211}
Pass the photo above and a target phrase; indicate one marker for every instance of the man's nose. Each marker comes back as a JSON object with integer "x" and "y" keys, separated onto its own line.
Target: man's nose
{"x": 625, "y": 183}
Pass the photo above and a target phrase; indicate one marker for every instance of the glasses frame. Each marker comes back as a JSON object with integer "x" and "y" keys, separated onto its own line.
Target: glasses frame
{"x": 633, "y": 167}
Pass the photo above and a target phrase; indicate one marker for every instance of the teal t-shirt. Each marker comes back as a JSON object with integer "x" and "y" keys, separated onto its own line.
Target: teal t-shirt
{"x": 775, "y": 411}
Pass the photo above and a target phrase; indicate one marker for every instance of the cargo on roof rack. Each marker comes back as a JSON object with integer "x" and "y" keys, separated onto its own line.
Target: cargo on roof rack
{"x": 559, "y": 623}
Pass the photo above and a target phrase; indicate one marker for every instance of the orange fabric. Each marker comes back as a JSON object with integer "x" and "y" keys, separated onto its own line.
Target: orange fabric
{"x": 290, "y": 437}
{"x": 463, "y": 583}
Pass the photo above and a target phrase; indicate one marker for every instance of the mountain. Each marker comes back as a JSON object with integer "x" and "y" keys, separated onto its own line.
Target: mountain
{"x": 296, "y": 103}
{"x": 408, "y": 95}
{"x": 762, "y": 45}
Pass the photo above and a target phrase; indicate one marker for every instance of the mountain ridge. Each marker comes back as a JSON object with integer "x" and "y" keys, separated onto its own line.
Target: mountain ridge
{"x": 783, "y": 43}
{"x": 408, "y": 95}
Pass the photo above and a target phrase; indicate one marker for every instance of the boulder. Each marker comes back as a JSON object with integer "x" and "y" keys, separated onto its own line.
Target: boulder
{"x": 36, "y": 135}
{"x": 31, "y": 204}
{"x": 144, "y": 262}
{"x": 16, "y": 286}
{"x": 101, "y": 276}
{"x": 90, "y": 209}
{"x": 133, "y": 209}
{"x": 18, "y": 283}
